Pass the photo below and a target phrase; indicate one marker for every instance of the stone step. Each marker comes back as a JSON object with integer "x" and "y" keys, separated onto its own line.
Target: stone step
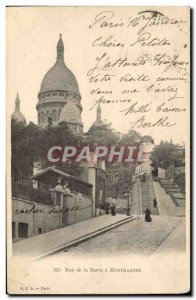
{"x": 147, "y": 195}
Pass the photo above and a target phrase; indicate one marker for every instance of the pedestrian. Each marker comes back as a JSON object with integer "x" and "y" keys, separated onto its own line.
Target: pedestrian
{"x": 107, "y": 208}
{"x": 113, "y": 210}
{"x": 147, "y": 215}
{"x": 155, "y": 202}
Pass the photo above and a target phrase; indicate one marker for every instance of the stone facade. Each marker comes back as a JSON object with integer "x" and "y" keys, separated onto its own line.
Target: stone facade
{"x": 31, "y": 218}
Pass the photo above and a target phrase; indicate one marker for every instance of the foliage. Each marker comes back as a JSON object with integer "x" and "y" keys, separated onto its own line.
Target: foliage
{"x": 103, "y": 135}
{"x": 180, "y": 181}
{"x": 24, "y": 147}
{"x": 147, "y": 139}
{"x": 30, "y": 143}
{"x": 56, "y": 136}
{"x": 132, "y": 137}
{"x": 164, "y": 155}
{"x": 26, "y": 191}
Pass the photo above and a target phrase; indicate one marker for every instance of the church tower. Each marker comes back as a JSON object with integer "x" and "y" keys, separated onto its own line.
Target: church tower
{"x": 98, "y": 128}
{"x": 98, "y": 124}
{"x": 17, "y": 115}
{"x": 59, "y": 97}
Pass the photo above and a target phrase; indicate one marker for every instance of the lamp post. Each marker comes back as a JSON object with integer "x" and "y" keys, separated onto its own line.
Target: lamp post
{"x": 128, "y": 203}
{"x": 128, "y": 207}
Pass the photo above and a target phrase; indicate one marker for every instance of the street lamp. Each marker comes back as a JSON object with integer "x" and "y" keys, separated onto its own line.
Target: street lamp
{"x": 128, "y": 207}
{"x": 128, "y": 204}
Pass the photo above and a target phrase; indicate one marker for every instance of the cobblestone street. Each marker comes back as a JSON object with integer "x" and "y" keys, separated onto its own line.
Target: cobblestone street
{"x": 135, "y": 238}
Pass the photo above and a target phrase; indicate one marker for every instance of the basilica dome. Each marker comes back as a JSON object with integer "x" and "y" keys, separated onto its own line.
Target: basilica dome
{"x": 59, "y": 77}
{"x": 59, "y": 87}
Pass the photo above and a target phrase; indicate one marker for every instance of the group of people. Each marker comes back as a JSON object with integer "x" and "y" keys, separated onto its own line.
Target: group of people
{"x": 112, "y": 209}
{"x": 147, "y": 211}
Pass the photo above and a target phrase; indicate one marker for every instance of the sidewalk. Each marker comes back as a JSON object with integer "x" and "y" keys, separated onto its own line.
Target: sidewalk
{"x": 176, "y": 241}
{"x": 52, "y": 241}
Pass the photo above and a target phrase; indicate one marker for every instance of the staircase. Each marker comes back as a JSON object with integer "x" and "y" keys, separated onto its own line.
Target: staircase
{"x": 177, "y": 196}
{"x": 147, "y": 197}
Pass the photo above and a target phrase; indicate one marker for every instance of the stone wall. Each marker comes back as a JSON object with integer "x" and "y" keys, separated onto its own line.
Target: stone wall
{"x": 77, "y": 208}
{"x": 32, "y": 218}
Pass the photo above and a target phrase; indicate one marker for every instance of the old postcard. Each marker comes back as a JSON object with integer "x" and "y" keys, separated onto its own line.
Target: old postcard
{"x": 98, "y": 150}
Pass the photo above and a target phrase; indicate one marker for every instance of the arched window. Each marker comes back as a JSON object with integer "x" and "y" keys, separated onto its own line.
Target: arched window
{"x": 116, "y": 178}
{"x": 49, "y": 121}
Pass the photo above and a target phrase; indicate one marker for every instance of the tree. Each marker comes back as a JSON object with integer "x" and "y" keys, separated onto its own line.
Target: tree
{"x": 164, "y": 155}
{"x": 24, "y": 148}
{"x": 59, "y": 135}
{"x": 103, "y": 135}
{"x": 147, "y": 139}
{"x": 132, "y": 137}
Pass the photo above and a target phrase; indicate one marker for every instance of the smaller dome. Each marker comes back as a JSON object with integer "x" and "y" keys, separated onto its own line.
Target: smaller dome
{"x": 17, "y": 115}
{"x": 70, "y": 113}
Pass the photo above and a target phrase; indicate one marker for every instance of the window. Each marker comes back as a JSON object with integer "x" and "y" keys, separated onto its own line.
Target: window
{"x": 61, "y": 94}
{"x": 49, "y": 121}
{"x": 39, "y": 230}
{"x": 48, "y": 95}
{"x": 54, "y": 94}
{"x": 22, "y": 230}
{"x": 13, "y": 229}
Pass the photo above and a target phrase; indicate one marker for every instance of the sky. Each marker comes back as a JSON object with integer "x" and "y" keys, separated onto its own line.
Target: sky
{"x": 32, "y": 36}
